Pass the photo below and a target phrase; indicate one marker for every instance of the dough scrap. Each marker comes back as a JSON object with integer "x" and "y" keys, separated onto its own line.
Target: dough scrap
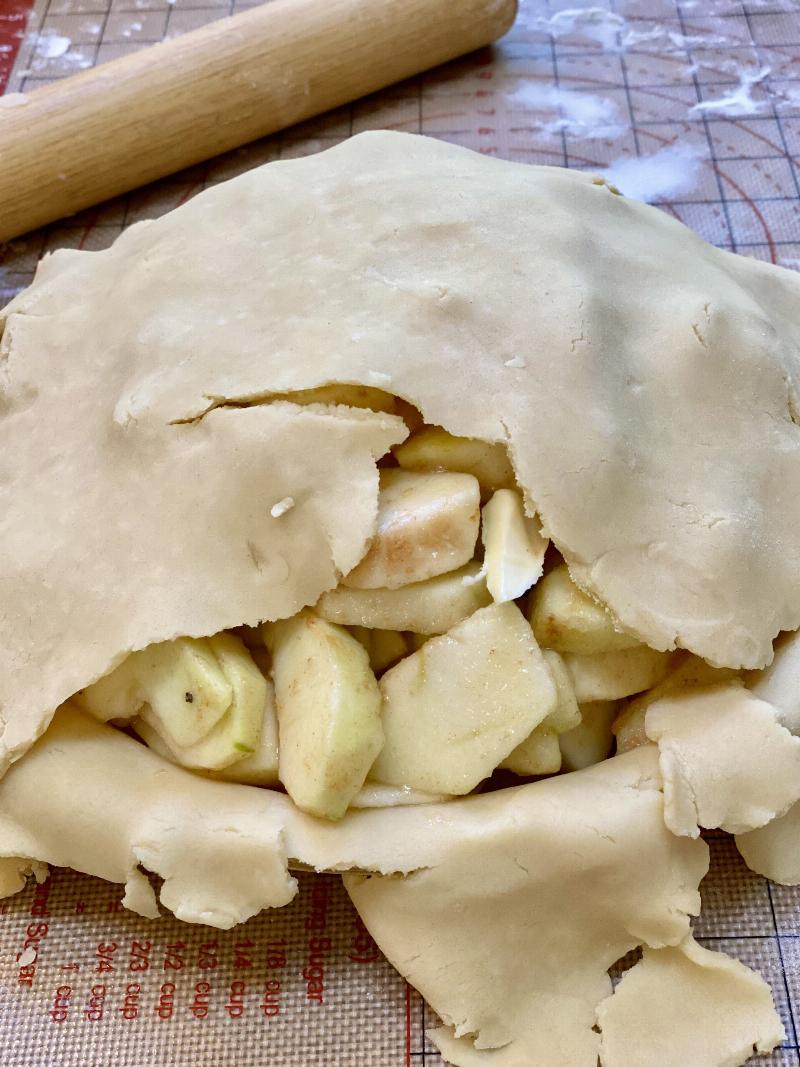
{"x": 14, "y": 873}
{"x": 647, "y": 390}
{"x": 774, "y": 850}
{"x": 725, "y": 760}
{"x": 779, "y": 683}
{"x": 510, "y": 930}
{"x": 686, "y": 1005}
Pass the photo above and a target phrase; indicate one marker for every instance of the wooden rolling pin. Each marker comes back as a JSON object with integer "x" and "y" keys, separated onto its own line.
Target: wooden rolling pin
{"x": 120, "y": 125}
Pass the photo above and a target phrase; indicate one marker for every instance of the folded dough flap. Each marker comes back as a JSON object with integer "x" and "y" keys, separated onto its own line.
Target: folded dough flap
{"x": 87, "y": 796}
{"x": 510, "y": 933}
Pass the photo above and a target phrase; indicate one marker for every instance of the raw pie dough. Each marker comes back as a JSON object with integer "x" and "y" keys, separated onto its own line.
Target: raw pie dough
{"x": 156, "y": 480}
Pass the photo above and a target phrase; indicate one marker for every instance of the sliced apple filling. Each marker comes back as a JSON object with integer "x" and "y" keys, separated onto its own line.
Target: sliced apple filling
{"x": 458, "y": 645}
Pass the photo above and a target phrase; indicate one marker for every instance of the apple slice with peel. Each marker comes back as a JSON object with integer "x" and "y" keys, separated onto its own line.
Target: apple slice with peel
{"x": 455, "y": 709}
{"x": 236, "y": 735}
{"x": 260, "y": 768}
{"x": 329, "y": 712}
{"x": 430, "y": 607}
{"x": 434, "y": 449}
{"x": 591, "y": 741}
{"x": 181, "y": 680}
{"x": 427, "y": 525}
{"x": 566, "y": 619}
{"x": 513, "y": 546}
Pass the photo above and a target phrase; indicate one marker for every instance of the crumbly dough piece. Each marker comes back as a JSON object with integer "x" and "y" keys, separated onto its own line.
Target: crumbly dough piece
{"x": 685, "y": 1006}
{"x": 725, "y": 760}
{"x": 585, "y": 869}
{"x": 14, "y": 873}
{"x": 650, "y": 391}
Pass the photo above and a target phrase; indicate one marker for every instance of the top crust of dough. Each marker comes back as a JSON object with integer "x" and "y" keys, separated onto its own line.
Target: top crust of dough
{"x": 645, "y": 382}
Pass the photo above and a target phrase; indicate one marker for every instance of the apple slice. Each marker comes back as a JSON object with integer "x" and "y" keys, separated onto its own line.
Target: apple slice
{"x": 430, "y": 607}
{"x": 117, "y": 696}
{"x": 181, "y": 680}
{"x": 384, "y": 647}
{"x": 567, "y": 713}
{"x": 539, "y": 753}
{"x": 455, "y": 709}
{"x": 259, "y": 768}
{"x": 236, "y": 734}
{"x": 566, "y": 619}
{"x": 427, "y": 525}
{"x": 376, "y": 795}
{"x": 614, "y": 675}
{"x": 329, "y": 712}
{"x": 513, "y": 546}
{"x": 434, "y": 449}
{"x": 592, "y": 741}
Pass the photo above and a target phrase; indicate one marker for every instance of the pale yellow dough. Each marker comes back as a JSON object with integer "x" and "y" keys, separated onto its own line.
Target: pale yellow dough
{"x": 687, "y": 1007}
{"x": 585, "y": 870}
{"x": 725, "y": 760}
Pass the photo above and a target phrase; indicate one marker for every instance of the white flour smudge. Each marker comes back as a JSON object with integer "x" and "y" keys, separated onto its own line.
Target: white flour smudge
{"x": 668, "y": 172}
{"x": 738, "y": 101}
{"x": 593, "y": 22}
{"x": 788, "y": 95}
{"x": 52, "y": 45}
{"x": 581, "y": 114}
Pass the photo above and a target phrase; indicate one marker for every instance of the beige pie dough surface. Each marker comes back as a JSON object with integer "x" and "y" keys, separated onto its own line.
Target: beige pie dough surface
{"x": 561, "y": 877}
{"x": 510, "y": 933}
{"x": 685, "y": 1005}
{"x": 725, "y": 759}
{"x": 645, "y": 382}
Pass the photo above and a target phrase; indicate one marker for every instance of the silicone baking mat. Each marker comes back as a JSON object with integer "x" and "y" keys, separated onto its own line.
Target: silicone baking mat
{"x": 694, "y": 106}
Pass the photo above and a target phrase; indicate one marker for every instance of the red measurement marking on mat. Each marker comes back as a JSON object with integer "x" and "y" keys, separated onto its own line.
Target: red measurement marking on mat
{"x": 13, "y": 20}
{"x": 408, "y": 1025}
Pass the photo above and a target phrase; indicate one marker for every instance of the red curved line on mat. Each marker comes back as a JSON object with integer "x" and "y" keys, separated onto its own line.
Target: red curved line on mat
{"x": 734, "y": 122}
{"x": 560, "y": 154}
{"x": 773, "y": 252}
{"x": 428, "y": 118}
{"x": 90, "y": 225}
{"x": 189, "y": 193}
{"x": 665, "y": 205}
{"x": 408, "y": 1025}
